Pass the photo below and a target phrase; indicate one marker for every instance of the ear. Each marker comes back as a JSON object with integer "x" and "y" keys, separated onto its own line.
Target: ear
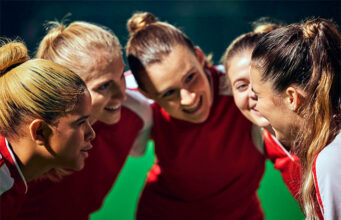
{"x": 200, "y": 56}
{"x": 39, "y": 131}
{"x": 293, "y": 98}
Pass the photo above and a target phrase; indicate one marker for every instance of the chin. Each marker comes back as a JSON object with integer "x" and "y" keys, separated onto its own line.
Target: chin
{"x": 112, "y": 120}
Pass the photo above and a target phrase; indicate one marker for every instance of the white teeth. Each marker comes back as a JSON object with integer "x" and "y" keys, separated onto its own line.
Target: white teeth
{"x": 193, "y": 107}
{"x": 113, "y": 108}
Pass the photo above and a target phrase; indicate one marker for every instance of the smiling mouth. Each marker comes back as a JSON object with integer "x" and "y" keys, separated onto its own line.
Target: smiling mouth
{"x": 194, "y": 108}
{"x": 113, "y": 108}
{"x": 87, "y": 148}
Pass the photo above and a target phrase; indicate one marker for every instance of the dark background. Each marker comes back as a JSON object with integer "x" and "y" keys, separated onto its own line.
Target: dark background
{"x": 210, "y": 24}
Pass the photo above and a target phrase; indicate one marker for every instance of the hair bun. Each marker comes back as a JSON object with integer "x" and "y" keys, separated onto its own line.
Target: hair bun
{"x": 311, "y": 28}
{"x": 140, "y": 20}
{"x": 11, "y": 55}
{"x": 264, "y": 28}
{"x": 265, "y": 24}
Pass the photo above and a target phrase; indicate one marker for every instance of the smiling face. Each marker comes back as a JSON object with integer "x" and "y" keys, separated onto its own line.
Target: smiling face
{"x": 70, "y": 138}
{"x": 238, "y": 73}
{"x": 106, "y": 83}
{"x": 275, "y": 108}
{"x": 180, "y": 85}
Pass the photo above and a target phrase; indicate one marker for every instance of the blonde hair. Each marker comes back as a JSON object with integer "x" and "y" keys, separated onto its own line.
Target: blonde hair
{"x": 67, "y": 45}
{"x": 307, "y": 55}
{"x": 33, "y": 89}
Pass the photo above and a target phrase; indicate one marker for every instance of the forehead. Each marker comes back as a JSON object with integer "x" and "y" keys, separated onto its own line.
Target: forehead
{"x": 239, "y": 66}
{"x": 172, "y": 68}
{"x": 103, "y": 66}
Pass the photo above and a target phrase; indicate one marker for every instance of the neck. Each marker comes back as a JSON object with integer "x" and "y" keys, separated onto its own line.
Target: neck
{"x": 31, "y": 164}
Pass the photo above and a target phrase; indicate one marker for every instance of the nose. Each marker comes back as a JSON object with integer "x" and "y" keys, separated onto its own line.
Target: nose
{"x": 118, "y": 92}
{"x": 90, "y": 133}
{"x": 252, "y": 95}
{"x": 187, "y": 97}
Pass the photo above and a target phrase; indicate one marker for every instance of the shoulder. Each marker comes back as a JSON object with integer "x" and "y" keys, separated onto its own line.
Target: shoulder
{"x": 327, "y": 177}
{"x": 6, "y": 181}
{"x": 328, "y": 160}
{"x": 219, "y": 72}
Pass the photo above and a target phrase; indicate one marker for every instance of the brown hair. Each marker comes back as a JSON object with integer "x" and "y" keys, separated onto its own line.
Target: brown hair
{"x": 150, "y": 41}
{"x": 247, "y": 41}
{"x": 307, "y": 55}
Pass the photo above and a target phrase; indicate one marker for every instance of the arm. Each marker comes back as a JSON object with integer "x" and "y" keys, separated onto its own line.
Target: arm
{"x": 142, "y": 107}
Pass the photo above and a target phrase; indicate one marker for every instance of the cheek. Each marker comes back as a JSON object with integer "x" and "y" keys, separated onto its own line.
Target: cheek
{"x": 98, "y": 101}
{"x": 241, "y": 100}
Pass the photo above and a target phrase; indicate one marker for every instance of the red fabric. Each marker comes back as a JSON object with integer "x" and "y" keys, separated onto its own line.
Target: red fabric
{"x": 76, "y": 196}
{"x": 290, "y": 169}
{"x": 10, "y": 200}
{"x": 205, "y": 171}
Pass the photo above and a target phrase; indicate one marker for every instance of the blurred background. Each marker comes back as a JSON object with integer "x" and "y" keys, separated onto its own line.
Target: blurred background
{"x": 212, "y": 25}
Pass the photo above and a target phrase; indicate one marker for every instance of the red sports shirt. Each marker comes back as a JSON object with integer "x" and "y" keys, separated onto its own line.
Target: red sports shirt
{"x": 12, "y": 182}
{"x": 78, "y": 195}
{"x": 204, "y": 171}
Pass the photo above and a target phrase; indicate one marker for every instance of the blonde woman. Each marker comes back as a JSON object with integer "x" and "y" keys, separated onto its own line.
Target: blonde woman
{"x": 44, "y": 122}
{"x": 120, "y": 118}
{"x": 295, "y": 77}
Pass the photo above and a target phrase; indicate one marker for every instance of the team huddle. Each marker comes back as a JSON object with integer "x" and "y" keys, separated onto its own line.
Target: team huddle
{"x": 68, "y": 120}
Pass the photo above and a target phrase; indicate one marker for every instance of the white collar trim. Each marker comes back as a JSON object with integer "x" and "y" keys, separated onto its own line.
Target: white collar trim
{"x": 16, "y": 165}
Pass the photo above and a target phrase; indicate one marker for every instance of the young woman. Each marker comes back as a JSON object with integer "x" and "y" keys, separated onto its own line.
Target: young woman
{"x": 43, "y": 122}
{"x": 207, "y": 165}
{"x": 118, "y": 118}
{"x": 237, "y": 59}
{"x": 295, "y": 75}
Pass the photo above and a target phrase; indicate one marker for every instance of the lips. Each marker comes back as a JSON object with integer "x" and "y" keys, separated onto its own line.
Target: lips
{"x": 112, "y": 108}
{"x": 87, "y": 148}
{"x": 192, "y": 109}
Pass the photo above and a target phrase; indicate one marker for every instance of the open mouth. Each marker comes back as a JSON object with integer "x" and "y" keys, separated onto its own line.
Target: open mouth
{"x": 194, "y": 108}
{"x": 113, "y": 108}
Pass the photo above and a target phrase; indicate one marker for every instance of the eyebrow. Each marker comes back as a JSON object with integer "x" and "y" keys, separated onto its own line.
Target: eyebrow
{"x": 159, "y": 94}
{"x": 81, "y": 118}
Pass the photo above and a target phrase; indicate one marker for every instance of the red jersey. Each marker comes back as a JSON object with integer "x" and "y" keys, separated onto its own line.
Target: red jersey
{"x": 286, "y": 163}
{"x": 12, "y": 182}
{"x": 204, "y": 171}
{"x": 78, "y": 195}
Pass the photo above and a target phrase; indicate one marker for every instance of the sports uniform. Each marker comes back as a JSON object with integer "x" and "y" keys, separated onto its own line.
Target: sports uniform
{"x": 12, "y": 182}
{"x": 205, "y": 171}
{"x": 286, "y": 163}
{"x": 78, "y": 195}
{"x": 327, "y": 178}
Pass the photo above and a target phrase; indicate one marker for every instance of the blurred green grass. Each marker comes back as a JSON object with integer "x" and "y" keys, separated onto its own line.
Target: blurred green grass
{"x": 120, "y": 204}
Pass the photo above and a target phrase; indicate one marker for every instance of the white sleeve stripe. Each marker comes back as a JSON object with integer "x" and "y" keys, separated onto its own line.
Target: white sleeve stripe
{"x": 140, "y": 105}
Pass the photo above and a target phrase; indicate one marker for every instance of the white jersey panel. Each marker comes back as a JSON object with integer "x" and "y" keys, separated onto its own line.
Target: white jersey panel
{"x": 328, "y": 179}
